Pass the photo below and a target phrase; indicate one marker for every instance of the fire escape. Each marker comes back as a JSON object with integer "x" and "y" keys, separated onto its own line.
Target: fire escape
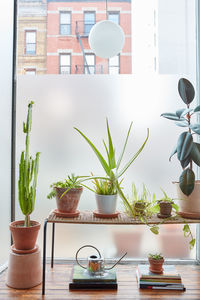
{"x": 81, "y": 33}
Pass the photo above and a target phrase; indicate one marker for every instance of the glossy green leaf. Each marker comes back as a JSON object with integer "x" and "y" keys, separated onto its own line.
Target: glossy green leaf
{"x": 173, "y": 152}
{"x": 179, "y": 112}
{"x": 186, "y": 111}
{"x": 192, "y": 243}
{"x": 184, "y": 145}
{"x": 197, "y": 108}
{"x": 186, "y": 181}
{"x": 111, "y": 157}
{"x": 185, "y": 162}
{"x": 98, "y": 154}
{"x": 123, "y": 150}
{"x": 195, "y": 153}
{"x": 195, "y": 127}
{"x": 182, "y": 123}
{"x": 172, "y": 116}
{"x": 186, "y": 90}
{"x": 155, "y": 229}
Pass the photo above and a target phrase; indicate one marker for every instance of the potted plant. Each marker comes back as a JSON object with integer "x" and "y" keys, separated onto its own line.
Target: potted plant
{"x": 67, "y": 193}
{"x": 166, "y": 204}
{"x": 156, "y": 263}
{"x": 111, "y": 165}
{"x": 24, "y": 233}
{"x": 106, "y": 196}
{"x": 187, "y": 150}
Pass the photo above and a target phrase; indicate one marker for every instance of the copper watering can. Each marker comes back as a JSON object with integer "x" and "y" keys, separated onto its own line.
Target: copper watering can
{"x": 96, "y": 264}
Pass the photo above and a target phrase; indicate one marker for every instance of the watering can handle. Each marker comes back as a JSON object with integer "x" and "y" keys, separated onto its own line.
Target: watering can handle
{"x": 116, "y": 262}
{"x": 82, "y": 248}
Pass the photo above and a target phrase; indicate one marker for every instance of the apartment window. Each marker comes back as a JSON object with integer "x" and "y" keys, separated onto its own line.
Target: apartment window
{"x": 89, "y": 21}
{"x": 65, "y": 23}
{"x": 114, "y": 65}
{"x": 30, "y": 40}
{"x": 90, "y": 58}
{"x": 114, "y": 17}
{"x": 30, "y": 71}
{"x": 65, "y": 64}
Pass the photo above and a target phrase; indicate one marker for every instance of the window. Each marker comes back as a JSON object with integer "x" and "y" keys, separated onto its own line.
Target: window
{"x": 89, "y": 21}
{"x": 90, "y": 58}
{"x": 30, "y": 71}
{"x": 65, "y": 23}
{"x": 114, "y": 17}
{"x": 30, "y": 38}
{"x": 114, "y": 65}
{"x": 65, "y": 64}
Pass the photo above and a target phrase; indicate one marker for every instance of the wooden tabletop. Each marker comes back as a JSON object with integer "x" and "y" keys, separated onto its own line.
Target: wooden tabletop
{"x": 87, "y": 217}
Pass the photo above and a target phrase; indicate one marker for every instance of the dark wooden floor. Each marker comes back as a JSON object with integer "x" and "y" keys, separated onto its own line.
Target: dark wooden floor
{"x": 58, "y": 278}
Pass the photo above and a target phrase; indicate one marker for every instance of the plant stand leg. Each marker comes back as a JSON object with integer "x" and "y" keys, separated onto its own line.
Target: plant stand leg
{"x": 44, "y": 256}
{"x": 52, "y": 244}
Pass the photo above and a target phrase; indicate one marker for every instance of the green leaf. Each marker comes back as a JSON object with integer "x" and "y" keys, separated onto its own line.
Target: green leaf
{"x": 123, "y": 150}
{"x": 195, "y": 127}
{"x": 134, "y": 157}
{"x": 186, "y": 181}
{"x": 179, "y": 112}
{"x": 155, "y": 229}
{"x": 175, "y": 206}
{"x": 186, "y": 111}
{"x": 195, "y": 153}
{"x": 173, "y": 152}
{"x": 111, "y": 157}
{"x": 197, "y": 109}
{"x": 184, "y": 145}
{"x": 192, "y": 243}
{"x": 182, "y": 124}
{"x": 186, "y": 90}
{"x": 98, "y": 154}
{"x": 186, "y": 228}
{"x": 185, "y": 162}
{"x": 172, "y": 116}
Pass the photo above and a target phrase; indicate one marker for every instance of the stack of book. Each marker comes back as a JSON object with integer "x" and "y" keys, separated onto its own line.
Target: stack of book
{"x": 81, "y": 279}
{"x": 168, "y": 280}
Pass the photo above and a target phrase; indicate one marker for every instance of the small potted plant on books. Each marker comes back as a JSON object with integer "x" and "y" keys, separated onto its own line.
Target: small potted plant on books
{"x": 67, "y": 193}
{"x": 156, "y": 263}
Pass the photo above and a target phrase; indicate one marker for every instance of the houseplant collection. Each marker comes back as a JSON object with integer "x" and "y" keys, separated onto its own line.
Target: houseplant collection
{"x": 187, "y": 150}
{"x": 24, "y": 233}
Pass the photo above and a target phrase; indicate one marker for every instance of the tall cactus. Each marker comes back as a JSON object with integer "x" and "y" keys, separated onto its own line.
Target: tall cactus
{"x": 28, "y": 171}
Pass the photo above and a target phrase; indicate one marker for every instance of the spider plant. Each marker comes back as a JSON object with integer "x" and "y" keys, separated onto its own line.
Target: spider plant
{"x": 111, "y": 166}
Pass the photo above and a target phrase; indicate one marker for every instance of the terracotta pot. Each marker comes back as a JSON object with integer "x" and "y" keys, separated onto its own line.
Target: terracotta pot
{"x": 106, "y": 204}
{"x": 139, "y": 208}
{"x": 24, "y": 238}
{"x": 165, "y": 208}
{"x": 155, "y": 265}
{"x": 69, "y": 202}
{"x": 191, "y": 203}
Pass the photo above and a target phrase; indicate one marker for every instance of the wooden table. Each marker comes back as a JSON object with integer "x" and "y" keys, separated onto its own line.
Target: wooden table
{"x": 86, "y": 217}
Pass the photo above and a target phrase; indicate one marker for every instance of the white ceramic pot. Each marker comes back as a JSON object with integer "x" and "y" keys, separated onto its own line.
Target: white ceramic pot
{"x": 191, "y": 203}
{"x": 106, "y": 204}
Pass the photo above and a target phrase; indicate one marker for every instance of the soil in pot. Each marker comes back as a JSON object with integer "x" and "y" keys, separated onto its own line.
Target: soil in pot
{"x": 24, "y": 238}
{"x": 69, "y": 202}
{"x": 165, "y": 209}
{"x": 156, "y": 265}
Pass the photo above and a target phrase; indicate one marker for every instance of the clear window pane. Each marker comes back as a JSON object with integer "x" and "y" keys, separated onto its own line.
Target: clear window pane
{"x": 65, "y": 18}
{"x": 65, "y": 59}
{"x": 65, "y": 29}
{"x": 114, "y": 17}
{"x": 89, "y": 21}
{"x": 30, "y": 37}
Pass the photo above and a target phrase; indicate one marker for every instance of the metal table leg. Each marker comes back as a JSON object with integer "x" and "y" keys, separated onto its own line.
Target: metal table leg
{"x": 44, "y": 256}
{"x": 52, "y": 245}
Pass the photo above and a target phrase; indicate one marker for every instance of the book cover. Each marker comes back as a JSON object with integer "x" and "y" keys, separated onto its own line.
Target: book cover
{"x": 92, "y": 285}
{"x": 80, "y": 275}
{"x": 168, "y": 272}
{"x": 163, "y": 280}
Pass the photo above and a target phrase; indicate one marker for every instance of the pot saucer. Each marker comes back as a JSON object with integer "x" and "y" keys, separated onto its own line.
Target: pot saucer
{"x": 105, "y": 216}
{"x": 18, "y": 251}
{"x": 189, "y": 215}
{"x": 66, "y": 215}
{"x": 162, "y": 216}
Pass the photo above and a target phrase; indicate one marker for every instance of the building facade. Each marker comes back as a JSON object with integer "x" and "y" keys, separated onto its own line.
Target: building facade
{"x": 31, "y": 51}
{"x": 68, "y": 26}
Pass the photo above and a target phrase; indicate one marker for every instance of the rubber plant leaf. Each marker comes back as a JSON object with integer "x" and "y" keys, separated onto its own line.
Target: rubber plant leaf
{"x": 195, "y": 127}
{"x": 172, "y": 116}
{"x": 179, "y": 112}
{"x": 185, "y": 162}
{"x": 173, "y": 152}
{"x": 184, "y": 145}
{"x": 123, "y": 150}
{"x": 98, "y": 154}
{"x": 195, "y": 153}
{"x": 186, "y": 90}
{"x": 182, "y": 124}
{"x": 186, "y": 111}
{"x": 197, "y": 109}
{"x": 186, "y": 181}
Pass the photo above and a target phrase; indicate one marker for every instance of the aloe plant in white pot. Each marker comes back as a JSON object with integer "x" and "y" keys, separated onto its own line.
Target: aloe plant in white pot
{"x": 188, "y": 151}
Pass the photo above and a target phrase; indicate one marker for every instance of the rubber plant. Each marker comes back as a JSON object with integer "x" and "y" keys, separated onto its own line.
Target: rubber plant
{"x": 28, "y": 172}
{"x": 187, "y": 150}
{"x": 110, "y": 165}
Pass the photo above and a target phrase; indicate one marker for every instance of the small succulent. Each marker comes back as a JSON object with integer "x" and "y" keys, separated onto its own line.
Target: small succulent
{"x": 156, "y": 256}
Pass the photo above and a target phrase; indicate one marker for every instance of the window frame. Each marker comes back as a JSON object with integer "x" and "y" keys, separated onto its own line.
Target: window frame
{"x": 114, "y": 66}
{"x": 25, "y": 39}
{"x": 65, "y": 24}
{"x": 60, "y": 66}
{"x": 114, "y": 13}
{"x": 85, "y": 66}
{"x": 86, "y": 33}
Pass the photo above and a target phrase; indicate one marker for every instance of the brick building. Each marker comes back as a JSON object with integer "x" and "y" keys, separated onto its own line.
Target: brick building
{"x": 31, "y": 52}
{"x": 68, "y": 26}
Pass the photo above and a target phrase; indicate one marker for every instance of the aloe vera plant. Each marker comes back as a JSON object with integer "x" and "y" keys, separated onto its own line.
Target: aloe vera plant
{"x": 28, "y": 171}
{"x": 111, "y": 166}
{"x": 187, "y": 150}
